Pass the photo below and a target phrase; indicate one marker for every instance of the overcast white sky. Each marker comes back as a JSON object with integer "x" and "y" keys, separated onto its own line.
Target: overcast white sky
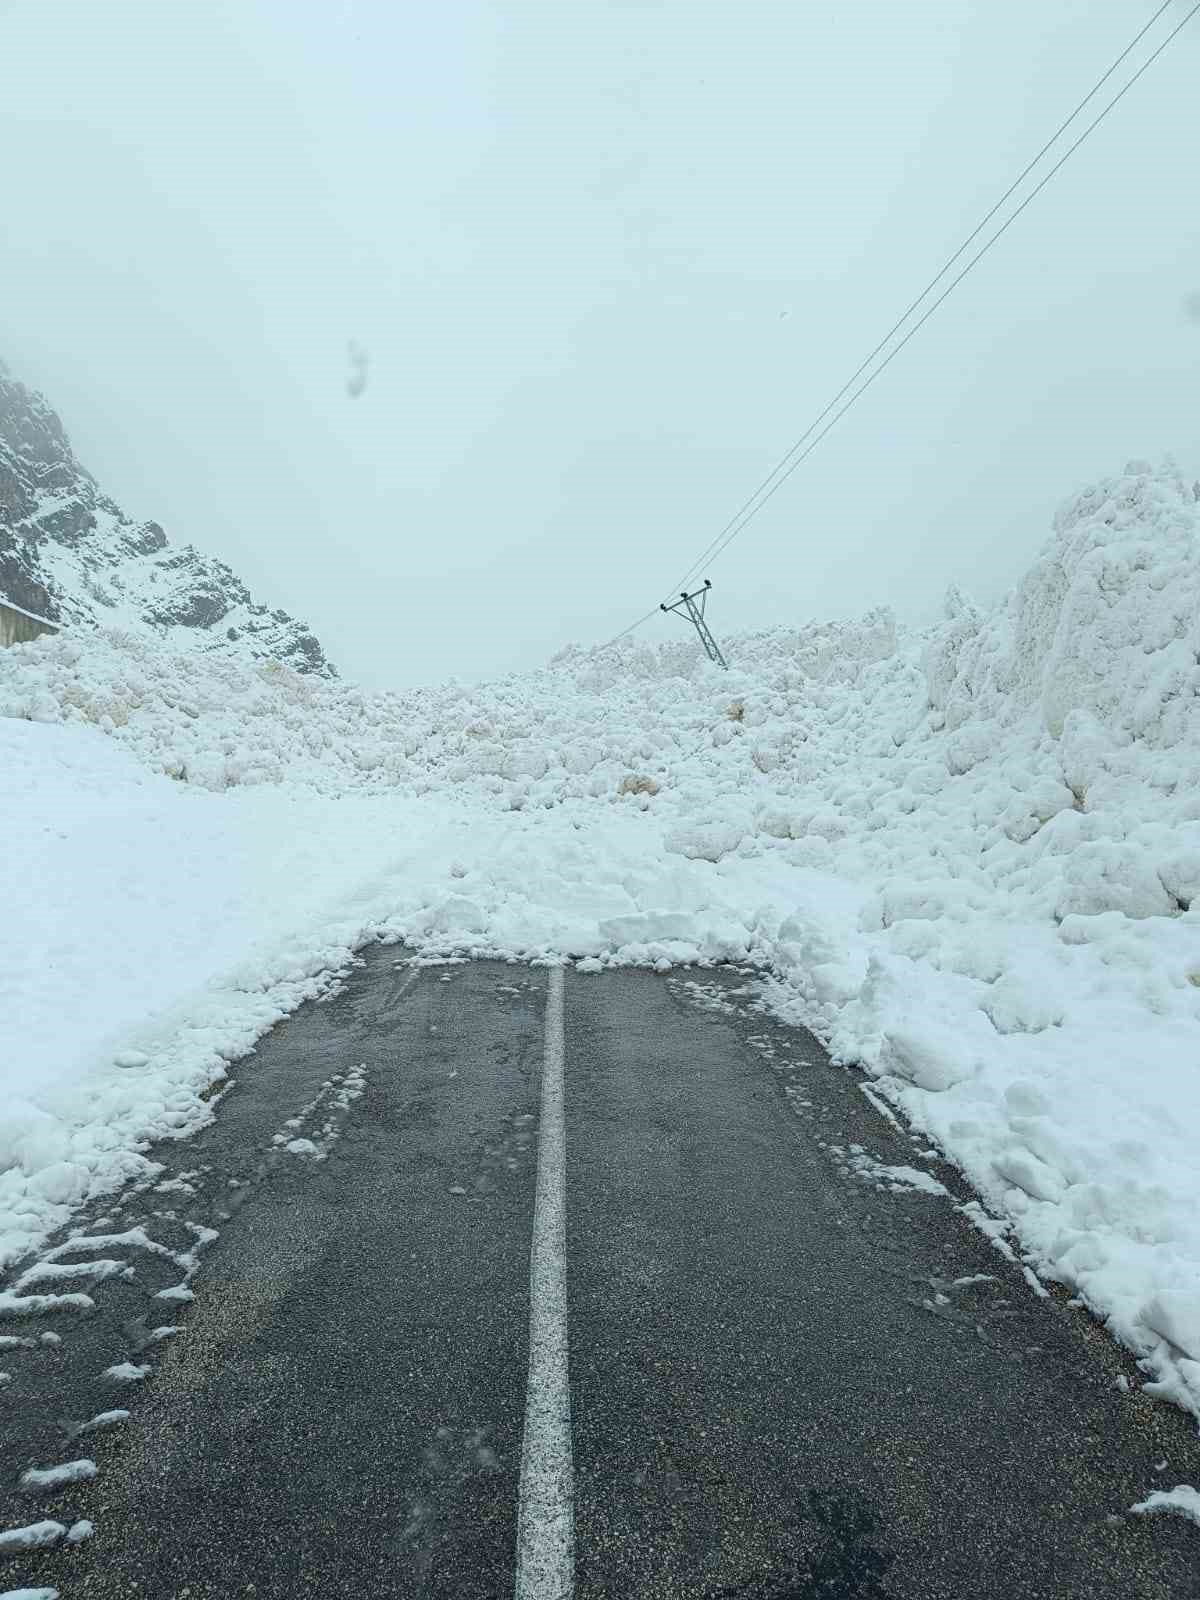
{"x": 608, "y": 258}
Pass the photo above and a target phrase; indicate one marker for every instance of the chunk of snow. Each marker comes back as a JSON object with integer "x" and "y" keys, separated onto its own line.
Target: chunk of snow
{"x": 708, "y": 842}
{"x": 1183, "y": 1500}
{"x": 127, "y": 1372}
{"x": 1175, "y": 1314}
{"x": 925, "y": 1056}
{"x": 103, "y": 1419}
{"x": 37, "y": 1305}
{"x": 36, "y": 1480}
{"x": 35, "y": 1536}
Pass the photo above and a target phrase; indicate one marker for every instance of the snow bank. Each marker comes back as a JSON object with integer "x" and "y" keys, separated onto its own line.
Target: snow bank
{"x": 969, "y": 857}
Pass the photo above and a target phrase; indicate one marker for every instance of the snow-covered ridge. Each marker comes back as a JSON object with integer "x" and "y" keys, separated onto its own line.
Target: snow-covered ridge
{"x": 69, "y": 554}
{"x": 970, "y": 857}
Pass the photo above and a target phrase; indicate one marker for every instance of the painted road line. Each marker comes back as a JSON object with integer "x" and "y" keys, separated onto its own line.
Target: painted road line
{"x": 546, "y": 1513}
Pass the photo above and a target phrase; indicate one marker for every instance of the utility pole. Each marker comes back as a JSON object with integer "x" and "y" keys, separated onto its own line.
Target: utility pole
{"x": 687, "y": 604}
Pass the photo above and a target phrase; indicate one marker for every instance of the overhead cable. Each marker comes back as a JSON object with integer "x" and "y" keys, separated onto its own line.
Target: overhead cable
{"x": 733, "y": 531}
{"x": 780, "y": 465}
{"x": 796, "y": 454}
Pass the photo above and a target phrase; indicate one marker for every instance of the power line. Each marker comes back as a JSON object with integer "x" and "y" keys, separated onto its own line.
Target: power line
{"x": 733, "y": 532}
{"x": 932, "y": 284}
{"x": 796, "y": 455}
{"x": 632, "y": 628}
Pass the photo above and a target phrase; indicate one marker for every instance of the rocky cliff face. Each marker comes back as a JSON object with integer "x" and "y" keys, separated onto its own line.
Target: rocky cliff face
{"x": 70, "y": 554}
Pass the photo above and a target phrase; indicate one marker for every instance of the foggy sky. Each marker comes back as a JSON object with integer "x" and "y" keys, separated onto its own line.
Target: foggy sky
{"x": 606, "y": 260}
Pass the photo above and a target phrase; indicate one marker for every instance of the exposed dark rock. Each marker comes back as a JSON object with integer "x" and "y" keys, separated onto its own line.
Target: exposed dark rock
{"x": 143, "y": 539}
{"x": 17, "y": 580}
{"x": 69, "y": 553}
{"x": 66, "y": 523}
{"x": 201, "y": 608}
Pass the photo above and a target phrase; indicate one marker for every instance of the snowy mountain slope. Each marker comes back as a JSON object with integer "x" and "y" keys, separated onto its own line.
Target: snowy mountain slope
{"x": 69, "y": 553}
{"x": 969, "y": 857}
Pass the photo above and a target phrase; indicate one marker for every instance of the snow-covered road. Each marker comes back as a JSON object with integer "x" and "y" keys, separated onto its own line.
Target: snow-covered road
{"x": 968, "y": 856}
{"x": 793, "y": 1351}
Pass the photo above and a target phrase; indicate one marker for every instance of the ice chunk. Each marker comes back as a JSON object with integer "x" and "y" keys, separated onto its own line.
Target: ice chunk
{"x": 36, "y": 1536}
{"x": 705, "y": 842}
{"x": 1183, "y": 1500}
{"x": 37, "y": 1480}
{"x": 928, "y": 1057}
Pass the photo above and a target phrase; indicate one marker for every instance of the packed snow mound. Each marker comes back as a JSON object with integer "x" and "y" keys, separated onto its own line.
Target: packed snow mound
{"x": 969, "y": 856}
{"x": 1104, "y": 625}
{"x": 578, "y": 729}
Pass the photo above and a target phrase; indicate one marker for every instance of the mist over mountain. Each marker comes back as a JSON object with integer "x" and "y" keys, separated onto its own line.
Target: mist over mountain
{"x": 70, "y": 554}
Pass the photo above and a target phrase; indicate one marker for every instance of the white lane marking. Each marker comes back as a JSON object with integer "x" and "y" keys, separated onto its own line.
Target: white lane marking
{"x": 546, "y": 1514}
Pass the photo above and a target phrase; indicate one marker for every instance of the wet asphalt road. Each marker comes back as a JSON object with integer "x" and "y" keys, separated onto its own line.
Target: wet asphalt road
{"x": 779, "y": 1388}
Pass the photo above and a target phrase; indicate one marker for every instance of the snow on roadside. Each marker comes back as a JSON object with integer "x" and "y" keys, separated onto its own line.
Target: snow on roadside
{"x": 968, "y": 856}
{"x": 1183, "y": 1501}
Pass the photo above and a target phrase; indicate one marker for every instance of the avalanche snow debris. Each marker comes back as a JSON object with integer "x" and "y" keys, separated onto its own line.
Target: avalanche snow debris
{"x": 36, "y": 1305}
{"x": 1183, "y": 1500}
{"x": 969, "y": 856}
{"x": 102, "y": 1419}
{"x": 127, "y": 1372}
{"x": 39, "y": 1479}
{"x": 303, "y": 1147}
{"x": 35, "y": 1536}
{"x": 896, "y": 1178}
{"x": 93, "y": 1271}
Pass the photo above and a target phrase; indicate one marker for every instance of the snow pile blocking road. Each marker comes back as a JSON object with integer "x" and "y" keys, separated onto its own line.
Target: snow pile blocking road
{"x": 968, "y": 856}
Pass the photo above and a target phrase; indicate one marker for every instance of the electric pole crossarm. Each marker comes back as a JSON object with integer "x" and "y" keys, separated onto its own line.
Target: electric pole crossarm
{"x": 695, "y": 614}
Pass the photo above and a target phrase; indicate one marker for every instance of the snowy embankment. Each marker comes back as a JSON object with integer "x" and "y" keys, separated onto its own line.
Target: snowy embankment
{"x": 968, "y": 857}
